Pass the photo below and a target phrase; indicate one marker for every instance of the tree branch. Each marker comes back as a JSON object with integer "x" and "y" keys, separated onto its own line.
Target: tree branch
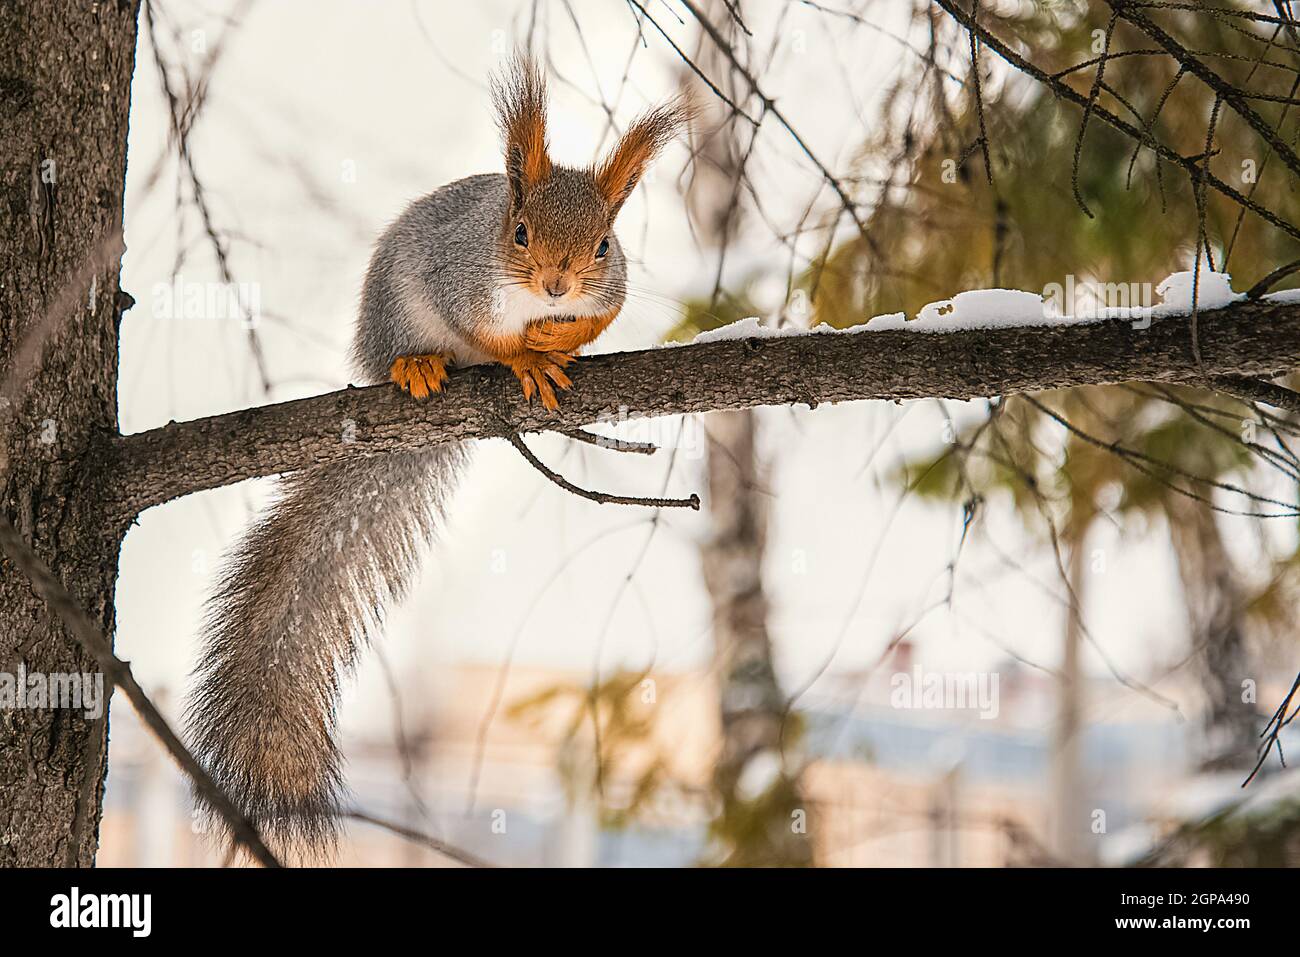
{"x": 1221, "y": 87}
{"x": 1256, "y": 390}
{"x": 1254, "y": 339}
{"x": 434, "y": 844}
{"x": 600, "y": 498}
{"x": 1190, "y": 164}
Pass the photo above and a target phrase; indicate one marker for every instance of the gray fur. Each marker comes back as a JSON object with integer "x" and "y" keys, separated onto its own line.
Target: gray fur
{"x": 309, "y": 582}
{"x": 295, "y": 600}
{"x": 438, "y": 266}
{"x": 432, "y": 259}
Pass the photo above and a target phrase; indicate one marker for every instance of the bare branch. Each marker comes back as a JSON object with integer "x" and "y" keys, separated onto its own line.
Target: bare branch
{"x": 1190, "y": 164}
{"x": 1271, "y": 735}
{"x": 436, "y": 845}
{"x": 1256, "y": 390}
{"x": 1252, "y": 339}
{"x": 1221, "y": 87}
{"x": 613, "y": 444}
{"x": 600, "y": 498}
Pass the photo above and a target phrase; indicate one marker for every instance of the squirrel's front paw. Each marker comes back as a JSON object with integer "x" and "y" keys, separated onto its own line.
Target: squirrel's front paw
{"x": 419, "y": 375}
{"x": 541, "y": 373}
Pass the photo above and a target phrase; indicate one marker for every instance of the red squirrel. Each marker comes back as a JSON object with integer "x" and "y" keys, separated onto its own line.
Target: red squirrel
{"x": 523, "y": 269}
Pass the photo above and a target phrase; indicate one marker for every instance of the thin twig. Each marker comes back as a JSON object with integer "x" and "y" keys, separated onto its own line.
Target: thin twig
{"x": 1257, "y": 390}
{"x": 1063, "y": 91}
{"x": 1273, "y": 730}
{"x": 1095, "y": 92}
{"x": 611, "y": 443}
{"x": 978, "y": 92}
{"x": 1147, "y": 464}
{"x": 1258, "y": 290}
{"x": 601, "y": 498}
{"x": 419, "y": 837}
{"x": 1221, "y": 87}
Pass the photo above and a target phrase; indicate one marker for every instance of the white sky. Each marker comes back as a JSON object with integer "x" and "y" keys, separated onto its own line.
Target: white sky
{"x": 311, "y": 89}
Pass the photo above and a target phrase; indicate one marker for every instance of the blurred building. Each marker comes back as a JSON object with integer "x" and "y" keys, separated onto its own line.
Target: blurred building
{"x": 504, "y": 769}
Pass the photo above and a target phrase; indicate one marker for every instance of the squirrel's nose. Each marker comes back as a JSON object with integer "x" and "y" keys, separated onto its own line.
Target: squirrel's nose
{"x": 557, "y": 286}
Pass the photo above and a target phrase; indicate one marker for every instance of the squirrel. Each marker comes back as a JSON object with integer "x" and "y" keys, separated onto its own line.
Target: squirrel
{"x": 521, "y": 269}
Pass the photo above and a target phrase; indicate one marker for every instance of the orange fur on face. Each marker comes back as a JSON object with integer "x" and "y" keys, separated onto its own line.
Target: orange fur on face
{"x": 565, "y": 220}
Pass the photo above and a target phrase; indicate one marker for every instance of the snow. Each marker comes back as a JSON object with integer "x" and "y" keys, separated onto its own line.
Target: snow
{"x": 1073, "y": 303}
{"x": 751, "y": 328}
{"x": 1213, "y": 291}
{"x": 984, "y": 309}
{"x": 890, "y": 320}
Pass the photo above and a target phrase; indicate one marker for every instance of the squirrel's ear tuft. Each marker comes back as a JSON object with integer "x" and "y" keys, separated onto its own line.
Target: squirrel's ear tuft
{"x": 520, "y": 97}
{"x": 620, "y": 171}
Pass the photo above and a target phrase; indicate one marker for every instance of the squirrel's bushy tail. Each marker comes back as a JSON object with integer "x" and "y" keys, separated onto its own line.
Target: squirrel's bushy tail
{"x": 297, "y": 599}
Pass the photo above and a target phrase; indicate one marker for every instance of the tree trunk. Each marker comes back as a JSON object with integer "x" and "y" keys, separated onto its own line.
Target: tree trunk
{"x": 65, "y": 79}
{"x": 1069, "y": 814}
{"x": 763, "y": 820}
{"x": 1215, "y": 607}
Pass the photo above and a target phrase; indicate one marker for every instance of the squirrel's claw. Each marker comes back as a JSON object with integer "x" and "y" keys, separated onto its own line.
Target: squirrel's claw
{"x": 540, "y": 373}
{"x": 420, "y": 375}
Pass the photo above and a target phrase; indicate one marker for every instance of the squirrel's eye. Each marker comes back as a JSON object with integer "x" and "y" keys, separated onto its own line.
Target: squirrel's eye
{"x": 521, "y": 235}
{"x": 602, "y": 249}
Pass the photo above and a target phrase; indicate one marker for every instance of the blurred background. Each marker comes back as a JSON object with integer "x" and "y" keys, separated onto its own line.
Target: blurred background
{"x": 923, "y": 634}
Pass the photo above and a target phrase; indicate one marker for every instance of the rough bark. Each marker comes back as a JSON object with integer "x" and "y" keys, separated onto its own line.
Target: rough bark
{"x": 1248, "y": 338}
{"x": 65, "y": 74}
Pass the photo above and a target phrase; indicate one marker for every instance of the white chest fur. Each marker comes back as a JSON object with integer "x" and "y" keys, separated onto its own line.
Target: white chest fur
{"x": 514, "y": 307}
